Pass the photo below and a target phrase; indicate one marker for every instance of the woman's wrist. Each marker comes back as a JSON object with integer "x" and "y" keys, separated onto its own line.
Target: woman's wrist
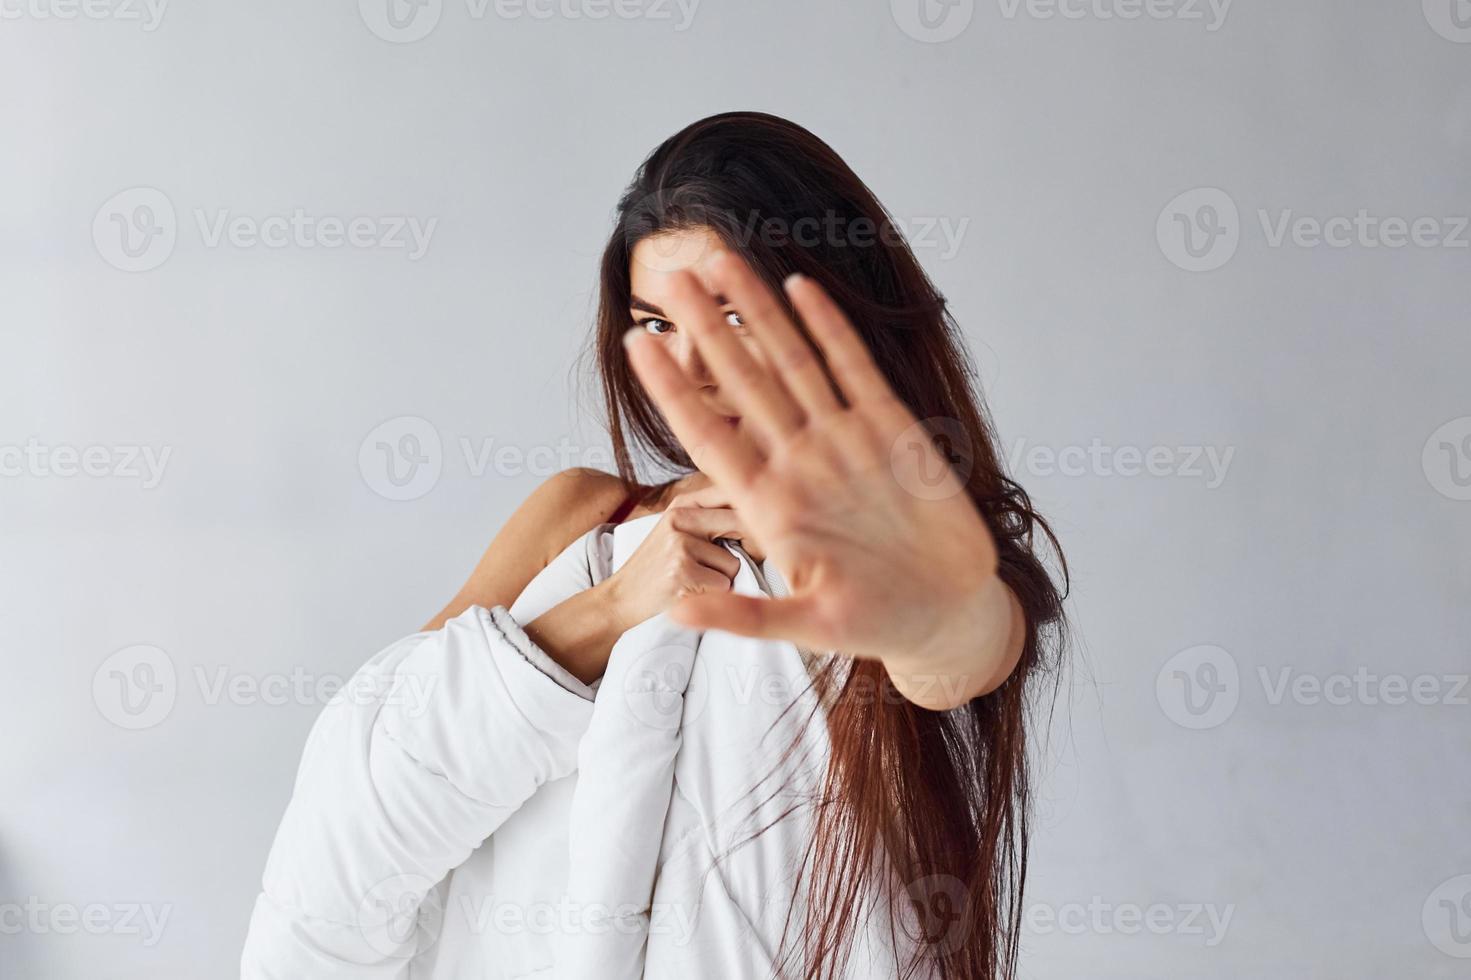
{"x": 579, "y": 632}
{"x": 607, "y": 600}
{"x": 968, "y": 655}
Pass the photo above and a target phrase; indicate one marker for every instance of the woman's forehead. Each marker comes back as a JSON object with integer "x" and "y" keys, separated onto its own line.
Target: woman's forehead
{"x": 656, "y": 258}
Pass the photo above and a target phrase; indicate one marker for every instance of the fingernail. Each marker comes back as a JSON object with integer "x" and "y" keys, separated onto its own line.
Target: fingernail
{"x": 792, "y": 280}
{"x": 630, "y": 333}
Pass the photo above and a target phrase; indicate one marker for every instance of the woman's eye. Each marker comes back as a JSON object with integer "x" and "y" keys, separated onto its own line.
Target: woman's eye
{"x": 656, "y": 326}
{"x": 734, "y": 319}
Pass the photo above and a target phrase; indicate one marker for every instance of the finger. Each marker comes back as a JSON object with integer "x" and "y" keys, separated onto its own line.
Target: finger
{"x": 847, "y": 356}
{"x": 756, "y": 393}
{"x": 711, "y": 443}
{"x": 767, "y": 619}
{"x": 790, "y": 353}
{"x": 709, "y": 496}
{"x": 704, "y": 580}
{"x": 714, "y": 557}
{"x": 707, "y": 522}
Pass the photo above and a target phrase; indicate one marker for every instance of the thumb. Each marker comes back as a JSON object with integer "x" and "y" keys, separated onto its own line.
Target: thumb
{"x": 790, "y": 619}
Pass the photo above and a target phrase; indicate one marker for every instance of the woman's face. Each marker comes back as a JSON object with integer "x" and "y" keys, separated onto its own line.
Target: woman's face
{"x": 652, "y": 265}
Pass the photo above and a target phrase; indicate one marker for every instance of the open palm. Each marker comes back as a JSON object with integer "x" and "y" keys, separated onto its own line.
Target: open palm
{"x": 883, "y": 550}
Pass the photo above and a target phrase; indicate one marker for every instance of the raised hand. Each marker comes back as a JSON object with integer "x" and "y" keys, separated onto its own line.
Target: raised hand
{"x": 828, "y": 485}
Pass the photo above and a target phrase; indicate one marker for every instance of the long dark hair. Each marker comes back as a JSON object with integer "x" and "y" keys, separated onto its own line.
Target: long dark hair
{"x": 936, "y": 802}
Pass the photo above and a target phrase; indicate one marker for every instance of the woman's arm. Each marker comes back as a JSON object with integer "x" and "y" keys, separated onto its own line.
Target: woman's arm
{"x": 558, "y": 512}
{"x": 430, "y": 747}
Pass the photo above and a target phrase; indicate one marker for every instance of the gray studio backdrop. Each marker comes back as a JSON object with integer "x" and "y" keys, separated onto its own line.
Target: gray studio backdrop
{"x": 291, "y": 299}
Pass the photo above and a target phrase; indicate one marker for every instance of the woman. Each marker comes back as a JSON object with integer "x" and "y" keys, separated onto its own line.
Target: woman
{"x": 764, "y": 333}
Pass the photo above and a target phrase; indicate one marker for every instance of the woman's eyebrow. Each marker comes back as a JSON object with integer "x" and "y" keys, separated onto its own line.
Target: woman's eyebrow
{"x": 643, "y": 305}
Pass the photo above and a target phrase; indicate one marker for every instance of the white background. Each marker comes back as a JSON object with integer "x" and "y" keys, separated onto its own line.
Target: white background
{"x": 1336, "y": 541}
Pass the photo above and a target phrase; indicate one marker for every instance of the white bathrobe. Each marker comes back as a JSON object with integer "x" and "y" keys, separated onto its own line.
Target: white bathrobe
{"x": 470, "y": 811}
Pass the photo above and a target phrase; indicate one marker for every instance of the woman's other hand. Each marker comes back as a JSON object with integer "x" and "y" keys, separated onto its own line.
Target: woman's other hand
{"x": 679, "y": 558}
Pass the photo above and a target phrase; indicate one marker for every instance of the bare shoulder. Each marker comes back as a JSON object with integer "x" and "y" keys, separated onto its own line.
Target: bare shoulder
{"x": 570, "y": 503}
{"x": 559, "y": 511}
